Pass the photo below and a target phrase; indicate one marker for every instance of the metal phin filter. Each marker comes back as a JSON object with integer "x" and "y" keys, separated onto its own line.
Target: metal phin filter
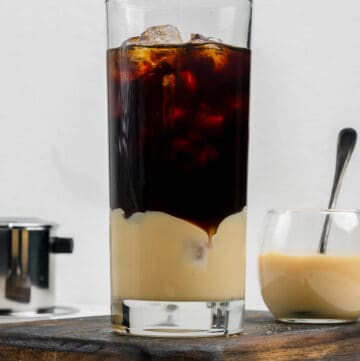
{"x": 27, "y": 250}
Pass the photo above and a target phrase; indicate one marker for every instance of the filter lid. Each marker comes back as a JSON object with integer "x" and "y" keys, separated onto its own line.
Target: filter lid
{"x": 25, "y": 223}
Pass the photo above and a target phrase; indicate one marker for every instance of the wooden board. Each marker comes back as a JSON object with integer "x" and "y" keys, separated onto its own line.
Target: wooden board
{"x": 91, "y": 339}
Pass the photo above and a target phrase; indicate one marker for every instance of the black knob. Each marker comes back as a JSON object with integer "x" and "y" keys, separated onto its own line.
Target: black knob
{"x": 62, "y": 245}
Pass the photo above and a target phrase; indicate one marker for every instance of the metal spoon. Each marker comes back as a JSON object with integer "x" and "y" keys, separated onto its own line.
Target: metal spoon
{"x": 346, "y": 144}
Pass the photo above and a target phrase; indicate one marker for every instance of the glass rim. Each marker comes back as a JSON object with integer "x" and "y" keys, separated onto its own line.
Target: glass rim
{"x": 313, "y": 210}
{"x": 191, "y": 2}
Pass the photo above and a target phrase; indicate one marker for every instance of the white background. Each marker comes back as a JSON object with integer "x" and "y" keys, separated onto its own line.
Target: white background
{"x": 53, "y": 125}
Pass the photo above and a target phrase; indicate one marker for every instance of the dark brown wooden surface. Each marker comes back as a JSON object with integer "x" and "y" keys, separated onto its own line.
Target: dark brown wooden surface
{"x": 91, "y": 339}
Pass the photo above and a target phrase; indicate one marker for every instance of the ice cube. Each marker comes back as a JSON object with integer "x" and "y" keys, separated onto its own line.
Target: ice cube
{"x": 130, "y": 41}
{"x": 195, "y": 251}
{"x": 169, "y": 81}
{"x": 189, "y": 79}
{"x": 200, "y": 39}
{"x": 162, "y": 34}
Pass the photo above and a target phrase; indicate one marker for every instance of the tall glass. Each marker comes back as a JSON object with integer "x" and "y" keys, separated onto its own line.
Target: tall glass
{"x": 178, "y": 92}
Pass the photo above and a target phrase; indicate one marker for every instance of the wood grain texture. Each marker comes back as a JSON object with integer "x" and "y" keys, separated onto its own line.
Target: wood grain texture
{"x": 91, "y": 339}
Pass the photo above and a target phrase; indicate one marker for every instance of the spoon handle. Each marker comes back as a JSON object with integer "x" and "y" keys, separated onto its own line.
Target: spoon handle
{"x": 346, "y": 144}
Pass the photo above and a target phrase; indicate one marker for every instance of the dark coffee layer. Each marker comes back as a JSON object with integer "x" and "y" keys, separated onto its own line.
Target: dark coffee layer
{"x": 178, "y": 129}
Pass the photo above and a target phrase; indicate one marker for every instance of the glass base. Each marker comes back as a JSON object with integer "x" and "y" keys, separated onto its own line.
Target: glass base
{"x": 315, "y": 321}
{"x": 178, "y": 319}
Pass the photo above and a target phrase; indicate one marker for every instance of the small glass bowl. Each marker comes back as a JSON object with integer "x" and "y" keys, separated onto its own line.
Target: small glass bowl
{"x": 301, "y": 284}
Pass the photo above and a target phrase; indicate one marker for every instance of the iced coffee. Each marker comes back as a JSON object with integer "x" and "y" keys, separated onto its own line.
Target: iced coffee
{"x": 178, "y": 128}
{"x": 312, "y": 288}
